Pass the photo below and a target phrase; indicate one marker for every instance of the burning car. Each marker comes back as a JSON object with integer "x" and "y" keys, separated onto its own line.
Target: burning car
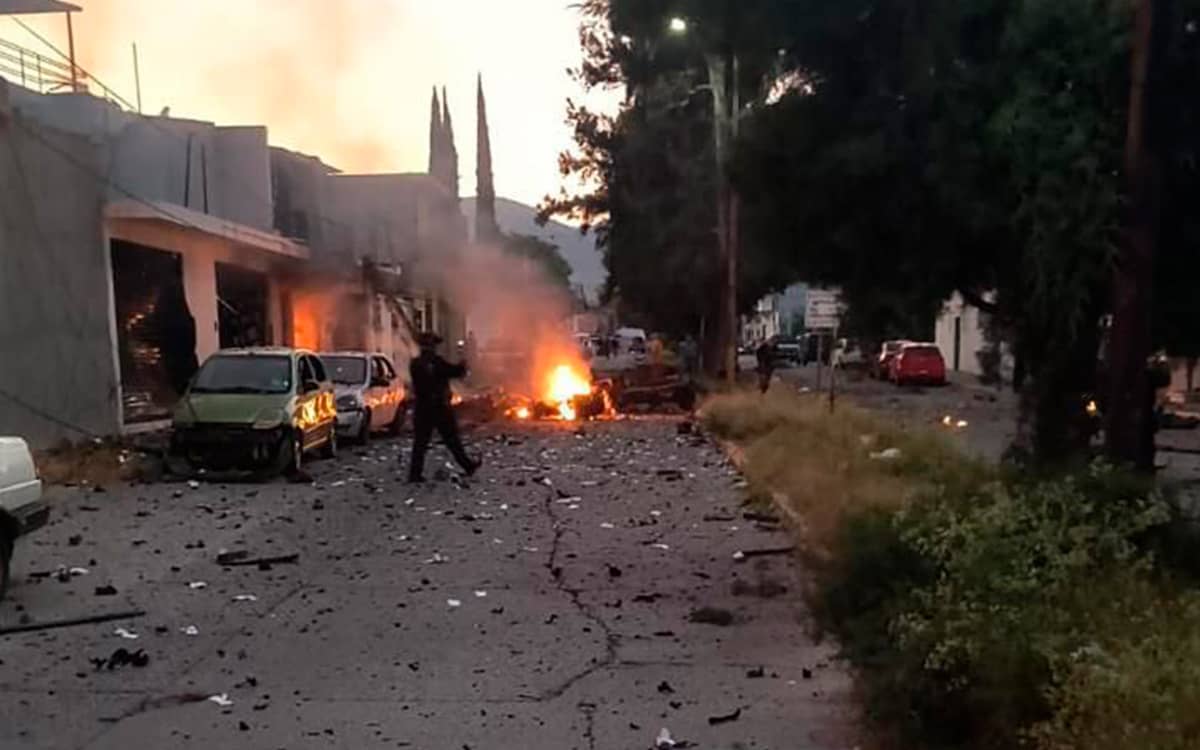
{"x": 370, "y": 394}
{"x": 256, "y": 408}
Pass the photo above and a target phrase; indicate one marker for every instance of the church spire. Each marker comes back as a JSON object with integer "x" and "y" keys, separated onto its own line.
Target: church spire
{"x": 435, "y": 135}
{"x": 451, "y": 166}
{"x": 486, "y": 229}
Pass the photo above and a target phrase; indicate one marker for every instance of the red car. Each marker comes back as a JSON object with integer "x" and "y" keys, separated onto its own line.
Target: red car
{"x": 918, "y": 364}
{"x": 882, "y": 366}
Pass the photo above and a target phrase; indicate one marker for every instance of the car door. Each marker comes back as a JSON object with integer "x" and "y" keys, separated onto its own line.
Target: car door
{"x": 326, "y": 399}
{"x": 385, "y": 394}
{"x": 306, "y": 401}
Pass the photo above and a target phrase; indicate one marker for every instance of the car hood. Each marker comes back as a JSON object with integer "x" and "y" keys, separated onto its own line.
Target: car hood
{"x": 342, "y": 389}
{"x": 228, "y": 408}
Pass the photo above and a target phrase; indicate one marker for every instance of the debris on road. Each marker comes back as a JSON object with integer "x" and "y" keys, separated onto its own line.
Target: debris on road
{"x": 889, "y": 454}
{"x": 725, "y": 719}
{"x": 665, "y": 688}
{"x": 265, "y": 563}
{"x": 105, "y": 591}
{"x": 221, "y": 700}
{"x": 121, "y": 658}
{"x": 768, "y": 552}
{"x": 197, "y": 585}
{"x": 245, "y": 598}
{"x": 190, "y": 630}
{"x": 756, "y": 674}
{"x": 128, "y": 635}
{"x": 228, "y": 558}
{"x": 453, "y": 603}
{"x": 55, "y": 624}
{"x": 711, "y": 616}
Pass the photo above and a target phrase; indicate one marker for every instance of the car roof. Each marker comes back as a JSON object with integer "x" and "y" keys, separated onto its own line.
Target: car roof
{"x": 920, "y": 344}
{"x": 261, "y": 351}
{"x": 350, "y": 354}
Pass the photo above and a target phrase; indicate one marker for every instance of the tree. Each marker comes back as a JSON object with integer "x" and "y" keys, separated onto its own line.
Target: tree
{"x": 544, "y": 256}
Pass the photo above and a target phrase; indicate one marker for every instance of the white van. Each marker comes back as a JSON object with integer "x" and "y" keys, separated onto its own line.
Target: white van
{"x": 21, "y": 507}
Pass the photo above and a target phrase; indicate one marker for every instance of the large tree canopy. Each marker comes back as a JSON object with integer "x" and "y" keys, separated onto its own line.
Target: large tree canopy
{"x": 902, "y": 151}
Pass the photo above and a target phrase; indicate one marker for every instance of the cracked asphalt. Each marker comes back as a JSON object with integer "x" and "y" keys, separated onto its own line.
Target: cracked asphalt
{"x": 581, "y": 592}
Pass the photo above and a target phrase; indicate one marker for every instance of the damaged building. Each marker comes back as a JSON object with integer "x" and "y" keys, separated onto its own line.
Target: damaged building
{"x": 132, "y": 247}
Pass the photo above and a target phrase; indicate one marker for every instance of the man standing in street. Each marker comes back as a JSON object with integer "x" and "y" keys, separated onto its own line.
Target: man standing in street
{"x": 765, "y": 354}
{"x": 431, "y": 376}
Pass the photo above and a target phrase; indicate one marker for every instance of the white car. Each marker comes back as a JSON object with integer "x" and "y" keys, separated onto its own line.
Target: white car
{"x": 371, "y": 395}
{"x": 21, "y": 507}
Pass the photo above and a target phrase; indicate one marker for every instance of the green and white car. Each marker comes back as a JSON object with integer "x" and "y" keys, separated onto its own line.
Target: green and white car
{"x": 256, "y": 408}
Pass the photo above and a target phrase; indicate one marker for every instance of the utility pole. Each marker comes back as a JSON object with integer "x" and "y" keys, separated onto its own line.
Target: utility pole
{"x": 1129, "y": 410}
{"x": 722, "y": 78}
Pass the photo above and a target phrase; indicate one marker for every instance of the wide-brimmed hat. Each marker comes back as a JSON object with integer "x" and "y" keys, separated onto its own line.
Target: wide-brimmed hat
{"x": 429, "y": 339}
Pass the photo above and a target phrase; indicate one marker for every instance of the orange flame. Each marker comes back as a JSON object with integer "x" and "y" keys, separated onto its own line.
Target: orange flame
{"x": 564, "y": 385}
{"x": 522, "y": 412}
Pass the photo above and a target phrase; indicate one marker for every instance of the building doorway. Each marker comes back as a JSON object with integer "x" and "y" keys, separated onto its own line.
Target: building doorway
{"x": 156, "y": 333}
{"x": 242, "y": 318}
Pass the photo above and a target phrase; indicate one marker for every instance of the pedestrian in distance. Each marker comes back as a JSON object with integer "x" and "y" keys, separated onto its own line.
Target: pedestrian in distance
{"x": 765, "y": 354}
{"x": 432, "y": 410}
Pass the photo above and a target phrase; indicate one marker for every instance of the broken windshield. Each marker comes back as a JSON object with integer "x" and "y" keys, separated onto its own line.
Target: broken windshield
{"x": 244, "y": 374}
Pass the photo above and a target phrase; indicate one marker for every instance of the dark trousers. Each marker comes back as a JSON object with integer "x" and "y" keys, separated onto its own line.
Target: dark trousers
{"x": 425, "y": 421}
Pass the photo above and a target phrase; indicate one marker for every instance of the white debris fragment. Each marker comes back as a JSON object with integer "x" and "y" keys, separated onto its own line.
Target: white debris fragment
{"x": 570, "y": 500}
{"x": 660, "y": 545}
{"x": 960, "y": 423}
{"x": 453, "y": 603}
{"x": 497, "y": 540}
{"x": 221, "y": 700}
{"x": 890, "y": 454}
{"x": 410, "y": 501}
{"x": 530, "y": 549}
{"x": 656, "y": 513}
{"x": 245, "y": 598}
{"x": 190, "y": 630}
{"x": 193, "y": 484}
{"x": 607, "y": 525}
{"x": 126, "y": 634}
{"x": 739, "y": 555}
{"x": 196, "y": 585}
{"x": 480, "y": 594}
{"x": 338, "y": 483}
{"x": 664, "y": 741}
{"x": 78, "y": 571}
{"x": 437, "y": 559}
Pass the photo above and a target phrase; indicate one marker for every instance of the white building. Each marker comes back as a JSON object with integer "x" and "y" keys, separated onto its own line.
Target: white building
{"x": 764, "y": 323}
{"x": 961, "y": 336}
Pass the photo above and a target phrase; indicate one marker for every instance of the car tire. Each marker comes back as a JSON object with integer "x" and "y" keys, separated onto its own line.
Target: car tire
{"x": 6, "y": 552}
{"x": 364, "y": 429}
{"x": 329, "y": 449}
{"x": 290, "y": 460}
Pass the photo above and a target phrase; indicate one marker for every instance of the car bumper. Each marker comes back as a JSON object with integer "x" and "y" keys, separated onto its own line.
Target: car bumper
{"x": 227, "y": 446}
{"x": 32, "y": 517}
{"x": 349, "y": 422}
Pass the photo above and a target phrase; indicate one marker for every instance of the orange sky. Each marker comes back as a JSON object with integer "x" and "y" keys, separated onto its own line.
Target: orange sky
{"x": 347, "y": 80}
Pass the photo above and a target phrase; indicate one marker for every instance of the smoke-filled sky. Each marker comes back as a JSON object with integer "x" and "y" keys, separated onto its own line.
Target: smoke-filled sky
{"x": 347, "y": 80}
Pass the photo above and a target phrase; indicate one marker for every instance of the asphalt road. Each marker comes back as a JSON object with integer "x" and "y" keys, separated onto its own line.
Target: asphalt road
{"x": 549, "y": 603}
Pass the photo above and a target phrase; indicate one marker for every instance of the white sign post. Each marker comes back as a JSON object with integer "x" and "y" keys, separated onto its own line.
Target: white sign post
{"x": 822, "y": 313}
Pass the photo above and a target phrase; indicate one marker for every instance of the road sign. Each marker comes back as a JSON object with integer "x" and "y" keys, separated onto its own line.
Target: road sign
{"x": 822, "y": 310}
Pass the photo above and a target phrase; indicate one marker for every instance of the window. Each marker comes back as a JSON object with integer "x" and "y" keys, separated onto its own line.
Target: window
{"x": 244, "y": 374}
{"x": 306, "y": 372}
{"x": 346, "y": 370}
{"x": 317, "y": 368}
{"x": 388, "y": 371}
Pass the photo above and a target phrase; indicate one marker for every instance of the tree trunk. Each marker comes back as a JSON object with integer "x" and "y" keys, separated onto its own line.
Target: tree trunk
{"x": 1128, "y": 415}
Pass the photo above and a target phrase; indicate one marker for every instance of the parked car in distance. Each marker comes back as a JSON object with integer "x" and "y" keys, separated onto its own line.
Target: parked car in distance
{"x": 849, "y": 355}
{"x": 918, "y": 364}
{"x": 881, "y": 368}
{"x": 370, "y": 394}
{"x": 256, "y": 408}
{"x": 788, "y": 351}
{"x": 22, "y": 509}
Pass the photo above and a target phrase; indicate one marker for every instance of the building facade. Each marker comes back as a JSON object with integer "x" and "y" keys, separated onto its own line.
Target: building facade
{"x": 133, "y": 247}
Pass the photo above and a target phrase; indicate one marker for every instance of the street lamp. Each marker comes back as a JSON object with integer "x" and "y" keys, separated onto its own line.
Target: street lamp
{"x": 723, "y": 83}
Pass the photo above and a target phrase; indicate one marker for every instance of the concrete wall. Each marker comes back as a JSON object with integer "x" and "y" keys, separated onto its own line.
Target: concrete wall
{"x": 58, "y": 371}
{"x": 971, "y": 336}
{"x": 167, "y": 159}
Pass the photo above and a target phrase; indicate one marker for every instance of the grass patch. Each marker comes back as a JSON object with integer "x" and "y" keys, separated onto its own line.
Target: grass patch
{"x": 984, "y": 610}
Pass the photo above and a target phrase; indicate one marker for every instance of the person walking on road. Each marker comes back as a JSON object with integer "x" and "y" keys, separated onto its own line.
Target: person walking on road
{"x": 431, "y": 376}
{"x": 765, "y": 354}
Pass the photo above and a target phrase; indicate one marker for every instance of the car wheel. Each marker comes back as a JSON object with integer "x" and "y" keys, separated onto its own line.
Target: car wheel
{"x": 329, "y": 450}
{"x": 364, "y": 428}
{"x": 290, "y": 460}
{"x": 6, "y": 550}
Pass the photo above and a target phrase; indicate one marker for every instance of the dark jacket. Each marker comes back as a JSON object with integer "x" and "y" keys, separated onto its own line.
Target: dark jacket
{"x": 431, "y": 376}
{"x": 765, "y": 354}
